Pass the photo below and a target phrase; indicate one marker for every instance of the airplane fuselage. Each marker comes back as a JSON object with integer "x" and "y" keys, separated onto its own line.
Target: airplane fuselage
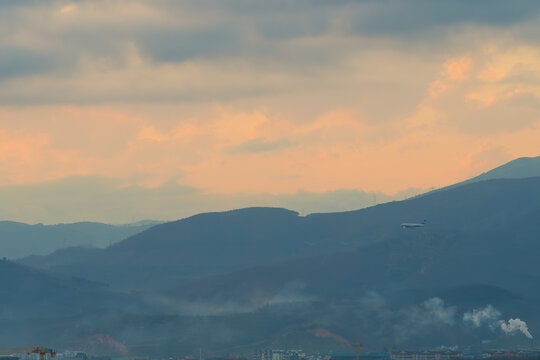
{"x": 413, "y": 225}
{"x": 409, "y": 225}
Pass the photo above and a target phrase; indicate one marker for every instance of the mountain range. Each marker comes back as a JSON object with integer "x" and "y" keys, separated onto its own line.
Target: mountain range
{"x": 21, "y": 240}
{"x": 247, "y": 279}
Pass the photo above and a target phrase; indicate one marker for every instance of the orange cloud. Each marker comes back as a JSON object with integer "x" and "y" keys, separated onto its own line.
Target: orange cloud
{"x": 491, "y": 74}
{"x": 21, "y": 148}
{"x": 150, "y": 133}
{"x": 436, "y": 88}
{"x": 68, "y": 9}
{"x": 337, "y": 150}
{"x": 457, "y": 69}
{"x": 336, "y": 127}
{"x": 483, "y": 99}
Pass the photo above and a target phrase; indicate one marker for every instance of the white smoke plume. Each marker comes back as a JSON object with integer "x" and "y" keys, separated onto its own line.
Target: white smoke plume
{"x": 415, "y": 321}
{"x": 489, "y": 315}
{"x": 438, "y": 312}
{"x": 479, "y": 317}
{"x": 515, "y": 325}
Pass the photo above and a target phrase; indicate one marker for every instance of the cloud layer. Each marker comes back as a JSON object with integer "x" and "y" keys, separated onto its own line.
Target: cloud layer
{"x": 267, "y": 97}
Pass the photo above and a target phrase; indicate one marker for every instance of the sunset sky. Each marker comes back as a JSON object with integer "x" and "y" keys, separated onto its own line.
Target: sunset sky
{"x": 118, "y": 111}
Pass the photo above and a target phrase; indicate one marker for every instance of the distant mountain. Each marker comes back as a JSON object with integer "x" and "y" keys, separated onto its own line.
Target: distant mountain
{"x": 20, "y": 240}
{"x": 216, "y": 243}
{"x": 176, "y": 252}
{"x": 170, "y": 255}
{"x": 486, "y": 232}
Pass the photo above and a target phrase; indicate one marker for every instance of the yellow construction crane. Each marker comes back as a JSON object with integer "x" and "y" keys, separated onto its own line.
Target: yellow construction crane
{"x": 41, "y": 350}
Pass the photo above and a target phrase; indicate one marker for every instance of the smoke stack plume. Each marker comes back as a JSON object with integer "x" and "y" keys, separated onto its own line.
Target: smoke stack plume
{"x": 480, "y": 316}
{"x": 489, "y": 315}
{"x": 514, "y": 325}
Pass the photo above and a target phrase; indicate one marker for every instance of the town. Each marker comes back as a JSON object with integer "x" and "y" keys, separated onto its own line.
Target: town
{"x": 42, "y": 353}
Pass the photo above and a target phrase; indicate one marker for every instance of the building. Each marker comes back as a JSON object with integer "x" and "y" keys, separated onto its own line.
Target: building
{"x": 361, "y": 356}
{"x": 426, "y": 355}
{"x": 279, "y": 354}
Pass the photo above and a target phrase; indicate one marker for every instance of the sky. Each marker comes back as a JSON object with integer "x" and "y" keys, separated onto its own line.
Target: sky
{"x": 118, "y": 111}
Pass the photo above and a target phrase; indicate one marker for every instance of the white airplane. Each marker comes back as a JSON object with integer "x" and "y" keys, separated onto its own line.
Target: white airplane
{"x": 413, "y": 225}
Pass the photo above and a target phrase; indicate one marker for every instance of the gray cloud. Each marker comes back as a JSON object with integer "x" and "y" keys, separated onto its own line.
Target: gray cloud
{"x": 411, "y": 18}
{"x": 240, "y": 28}
{"x": 16, "y": 62}
{"x": 177, "y": 45}
{"x": 261, "y": 145}
{"x": 395, "y": 17}
{"x": 303, "y": 57}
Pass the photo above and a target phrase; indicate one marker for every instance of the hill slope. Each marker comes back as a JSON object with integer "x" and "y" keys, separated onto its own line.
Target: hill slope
{"x": 516, "y": 169}
{"x": 199, "y": 245}
{"x": 486, "y": 232}
{"x": 520, "y": 168}
{"x": 28, "y": 293}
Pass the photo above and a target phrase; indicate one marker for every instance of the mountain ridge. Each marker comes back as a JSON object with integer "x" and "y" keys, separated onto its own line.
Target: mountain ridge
{"x": 216, "y": 243}
{"x": 520, "y": 168}
{"x": 21, "y": 239}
